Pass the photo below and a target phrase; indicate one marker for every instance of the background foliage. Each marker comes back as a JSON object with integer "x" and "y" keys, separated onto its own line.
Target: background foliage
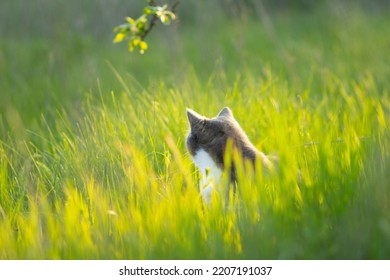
{"x": 92, "y": 155}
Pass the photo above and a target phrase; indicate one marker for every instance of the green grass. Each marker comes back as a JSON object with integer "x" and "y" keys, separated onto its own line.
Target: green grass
{"x": 92, "y": 157}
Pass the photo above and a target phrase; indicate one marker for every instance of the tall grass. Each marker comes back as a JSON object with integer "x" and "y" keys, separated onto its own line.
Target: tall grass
{"x": 94, "y": 170}
{"x": 118, "y": 183}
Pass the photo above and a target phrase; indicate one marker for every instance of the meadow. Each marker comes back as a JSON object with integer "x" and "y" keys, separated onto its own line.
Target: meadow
{"x": 93, "y": 163}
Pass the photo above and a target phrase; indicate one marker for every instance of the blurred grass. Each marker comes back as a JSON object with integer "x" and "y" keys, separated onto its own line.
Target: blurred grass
{"x": 92, "y": 157}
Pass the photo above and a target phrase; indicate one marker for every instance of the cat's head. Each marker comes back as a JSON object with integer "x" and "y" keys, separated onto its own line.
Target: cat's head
{"x": 212, "y": 134}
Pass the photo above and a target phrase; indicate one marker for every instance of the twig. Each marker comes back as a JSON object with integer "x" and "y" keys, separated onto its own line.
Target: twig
{"x": 155, "y": 18}
{"x": 151, "y": 25}
{"x": 174, "y": 6}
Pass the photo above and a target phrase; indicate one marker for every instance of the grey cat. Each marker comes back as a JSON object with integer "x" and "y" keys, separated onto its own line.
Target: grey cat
{"x": 207, "y": 141}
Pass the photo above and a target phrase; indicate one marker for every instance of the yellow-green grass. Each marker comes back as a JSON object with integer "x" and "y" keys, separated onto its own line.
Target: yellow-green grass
{"x": 105, "y": 174}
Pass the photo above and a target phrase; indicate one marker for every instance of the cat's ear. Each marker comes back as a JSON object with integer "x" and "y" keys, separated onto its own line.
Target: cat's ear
{"x": 193, "y": 117}
{"x": 226, "y": 112}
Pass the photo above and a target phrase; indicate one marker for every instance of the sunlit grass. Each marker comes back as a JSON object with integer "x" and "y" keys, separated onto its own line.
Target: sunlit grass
{"x": 118, "y": 182}
{"x": 104, "y": 173}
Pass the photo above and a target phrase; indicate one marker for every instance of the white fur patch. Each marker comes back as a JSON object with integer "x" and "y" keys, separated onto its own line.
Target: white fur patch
{"x": 210, "y": 173}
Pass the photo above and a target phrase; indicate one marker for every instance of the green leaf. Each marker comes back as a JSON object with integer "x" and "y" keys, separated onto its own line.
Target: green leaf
{"x": 119, "y": 37}
{"x": 148, "y": 10}
{"x": 171, "y": 14}
{"x": 141, "y": 24}
{"x": 122, "y": 27}
{"x": 130, "y": 20}
{"x": 166, "y": 16}
{"x": 143, "y": 45}
{"x": 136, "y": 41}
{"x": 143, "y": 19}
{"x": 165, "y": 19}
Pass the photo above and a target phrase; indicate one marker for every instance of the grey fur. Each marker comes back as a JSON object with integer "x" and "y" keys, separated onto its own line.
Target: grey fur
{"x": 212, "y": 135}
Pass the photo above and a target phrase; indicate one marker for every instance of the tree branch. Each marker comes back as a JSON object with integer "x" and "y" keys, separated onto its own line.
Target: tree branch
{"x": 154, "y": 19}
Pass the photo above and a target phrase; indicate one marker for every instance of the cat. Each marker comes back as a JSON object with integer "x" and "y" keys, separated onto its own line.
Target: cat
{"x": 207, "y": 141}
